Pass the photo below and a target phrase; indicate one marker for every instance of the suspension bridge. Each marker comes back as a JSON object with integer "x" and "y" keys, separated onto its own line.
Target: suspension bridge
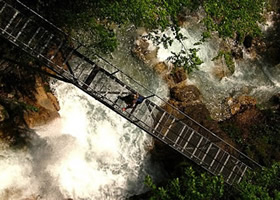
{"x": 65, "y": 59}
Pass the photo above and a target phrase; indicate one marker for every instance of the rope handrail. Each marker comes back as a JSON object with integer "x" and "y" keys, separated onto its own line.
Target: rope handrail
{"x": 136, "y": 82}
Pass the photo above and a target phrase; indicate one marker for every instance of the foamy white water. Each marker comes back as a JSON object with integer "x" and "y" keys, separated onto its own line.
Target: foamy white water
{"x": 88, "y": 153}
{"x": 252, "y": 77}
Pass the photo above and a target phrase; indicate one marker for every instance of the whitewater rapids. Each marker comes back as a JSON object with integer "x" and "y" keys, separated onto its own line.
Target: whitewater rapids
{"x": 88, "y": 153}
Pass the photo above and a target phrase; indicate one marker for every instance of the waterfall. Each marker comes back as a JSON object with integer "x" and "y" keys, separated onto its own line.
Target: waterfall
{"x": 88, "y": 153}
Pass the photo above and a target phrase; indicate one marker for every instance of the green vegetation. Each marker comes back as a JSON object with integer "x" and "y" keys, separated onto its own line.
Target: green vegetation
{"x": 233, "y": 131}
{"x": 235, "y": 19}
{"x": 186, "y": 59}
{"x": 262, "y": 183}
{"x": 100, "y": 18}
{"x": 264, "y": 141}
{"x": 228, "y": 59}
{"x": 190, "y": 185}
{"x": 148, "y": 13}
{"x": 98, "y": 22}
{"x": 259, "y": 140}
{"x": 30, "y": 107}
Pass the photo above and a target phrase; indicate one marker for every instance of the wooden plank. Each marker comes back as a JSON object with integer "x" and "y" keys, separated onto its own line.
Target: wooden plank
{"x": 37, "y": 44}
{"x": 10, "y": 22}
{"x": 33, "y": 36}
{"x": 214, "y": 159}
{"x": 175, "y": 143}
{"x": 57, "y": 49}
{"x": 157, "y": 124}
{"x": 200, "y": 140}
{"x": 21, "y": 30}
{"x": 68, "y": 57}
{"x": 169, "y": 127}
{"x": 207, "y": 151}
{"x": 232, "y": 171}
{"x": 2, "y": 9}
{"x": 90, "y": 77}
{"x": 246, "y": 167}
{"x": 46, "y": 44}
{"x": 189, "y": 138}
{"x": 224, "y": 164}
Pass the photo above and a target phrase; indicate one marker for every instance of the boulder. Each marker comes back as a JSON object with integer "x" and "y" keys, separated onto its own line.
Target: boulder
{"x": 43, "y": 109}
{"x": 175, "y": 78}
{"x": 179, "y": 75}
{"x": 240, "y": 104}
{"x": 220, "y": 70}
{"x": 161, "y": 68}
{"x": 187, "y": 93}
{"x": 144, "y": 51}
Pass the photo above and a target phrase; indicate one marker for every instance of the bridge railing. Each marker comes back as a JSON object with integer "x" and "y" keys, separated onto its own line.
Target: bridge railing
{"x": 184, "y": 117}
{"x": 71, "y": 48}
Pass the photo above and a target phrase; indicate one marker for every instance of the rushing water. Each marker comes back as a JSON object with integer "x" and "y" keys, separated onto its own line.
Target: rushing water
{"x": 252, "y": 76}
{"x": 92, "y": 153}
{"x": 89, "y": 152}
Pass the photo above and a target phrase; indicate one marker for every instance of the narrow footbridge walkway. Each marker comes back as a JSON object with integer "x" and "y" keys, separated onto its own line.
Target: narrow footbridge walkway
{"x": 64, "y": 59}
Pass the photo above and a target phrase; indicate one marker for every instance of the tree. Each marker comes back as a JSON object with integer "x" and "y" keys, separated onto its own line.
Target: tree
{"x": 190, "y": 185}
{"x": 234, "y": 18}
{"x": 261, "y": 184}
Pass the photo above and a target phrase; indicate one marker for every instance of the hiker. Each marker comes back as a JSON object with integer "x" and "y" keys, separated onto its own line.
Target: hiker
{"x": 132, "y": 100}
{"x": 139, "y": 99}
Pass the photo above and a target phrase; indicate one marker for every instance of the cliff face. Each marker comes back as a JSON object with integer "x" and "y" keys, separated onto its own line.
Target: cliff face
{"x": 46, "y": 105}
{"x": 25, "y": 102}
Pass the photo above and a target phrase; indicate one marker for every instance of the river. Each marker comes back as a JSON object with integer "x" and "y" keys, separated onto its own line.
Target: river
{"x": 252, "y": 76}
{"x": 89, "y": 152}
{"x": 92, "y": 153}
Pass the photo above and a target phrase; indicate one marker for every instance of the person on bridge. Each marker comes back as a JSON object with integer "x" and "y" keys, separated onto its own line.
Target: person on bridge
{"x": 132, "y": 100}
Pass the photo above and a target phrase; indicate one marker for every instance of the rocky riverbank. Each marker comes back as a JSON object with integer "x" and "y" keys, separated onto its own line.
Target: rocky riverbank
{"x": 242, "y": 113}
{"x": 25, "y": 102}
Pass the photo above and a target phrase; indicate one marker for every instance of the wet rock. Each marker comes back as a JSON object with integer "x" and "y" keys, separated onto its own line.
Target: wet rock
{"x": 3, "y": 114}
{"x": 224, "y": 64}
{"x": 240, "y": 104}
{"x": 178, "y": 75}
{"x": 188, "y": 93}
{"x": 144, "y": 51}
{"x": 11, "y": 95}
{"x": 220, "y": 70}
{"x": 161, "y": 68}
{"x": 247, "y": 101}
{"x": 171, "y": 77}
{"x": 43, "y": 109}
{"x": 247, "y": 117}
{"x": 176, "y": 78}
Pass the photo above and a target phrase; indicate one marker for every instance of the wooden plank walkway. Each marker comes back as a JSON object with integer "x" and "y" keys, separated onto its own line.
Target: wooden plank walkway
{"x": 100, "y": 79}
